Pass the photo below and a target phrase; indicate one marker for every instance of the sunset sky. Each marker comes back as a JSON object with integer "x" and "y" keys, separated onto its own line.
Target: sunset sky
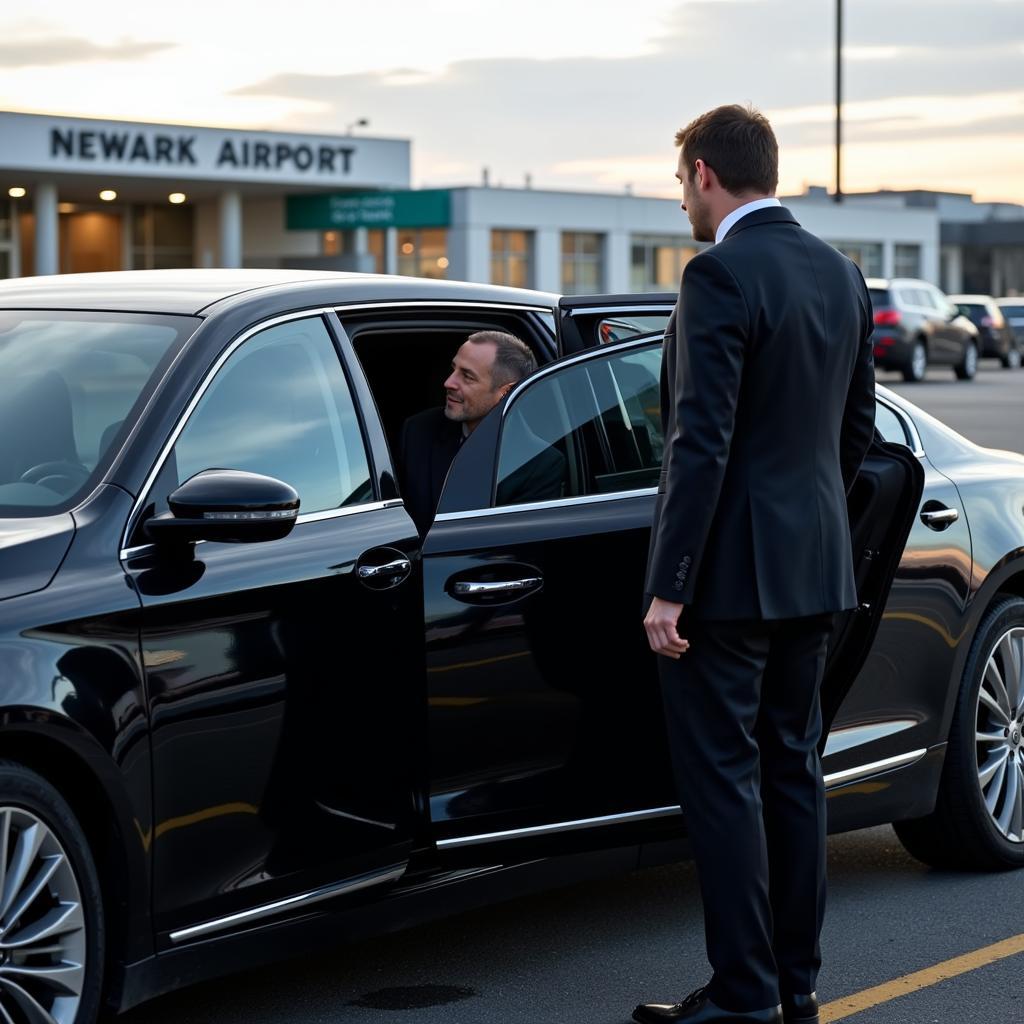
{"x": 581, "y": 95}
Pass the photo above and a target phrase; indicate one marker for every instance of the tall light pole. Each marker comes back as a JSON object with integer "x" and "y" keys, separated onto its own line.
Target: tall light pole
{"x": 839, "y": 101}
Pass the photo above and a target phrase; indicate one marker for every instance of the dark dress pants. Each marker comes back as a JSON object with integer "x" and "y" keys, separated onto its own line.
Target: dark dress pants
{"x": 744, "y": 720}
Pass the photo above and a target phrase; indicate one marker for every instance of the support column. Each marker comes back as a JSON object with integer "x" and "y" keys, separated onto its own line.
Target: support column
{"x": 391, "y": 251}
{"x": 230, "y": 210}
{"x": 47, "y": 237}
{"x": 15, "y": 268}
{"x": 547, "y": 260}
{"x": 127, "y": 238}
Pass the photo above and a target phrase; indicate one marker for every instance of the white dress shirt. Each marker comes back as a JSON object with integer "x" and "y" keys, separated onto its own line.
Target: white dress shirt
{"x": 742, "y": 211}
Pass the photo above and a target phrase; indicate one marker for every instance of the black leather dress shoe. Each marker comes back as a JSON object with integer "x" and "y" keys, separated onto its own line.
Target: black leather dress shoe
{"x": 800, "y": 1009}
{"x": 697, "y": 1008}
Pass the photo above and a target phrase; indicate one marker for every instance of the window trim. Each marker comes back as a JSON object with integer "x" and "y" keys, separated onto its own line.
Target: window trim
{"x": 908, "y": 424}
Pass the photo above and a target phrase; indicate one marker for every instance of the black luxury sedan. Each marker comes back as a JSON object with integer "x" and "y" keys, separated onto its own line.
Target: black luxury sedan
{"x": 247, "y": 710}
{"x": 917, "y": 326}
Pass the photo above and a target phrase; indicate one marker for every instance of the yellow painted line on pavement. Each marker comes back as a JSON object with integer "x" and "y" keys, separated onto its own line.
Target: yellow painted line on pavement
{"x": 849, "y": 1005}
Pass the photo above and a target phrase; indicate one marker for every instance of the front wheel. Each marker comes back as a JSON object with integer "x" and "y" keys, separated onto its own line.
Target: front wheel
{"x": 52, "y": 932}
{"x": 978, "y": 821}
{"x": 968, "y": 366}
{"x": 1011, "y": 361}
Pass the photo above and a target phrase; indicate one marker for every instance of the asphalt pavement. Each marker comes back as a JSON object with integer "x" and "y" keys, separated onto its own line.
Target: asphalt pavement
{"x": 586, "y": 954}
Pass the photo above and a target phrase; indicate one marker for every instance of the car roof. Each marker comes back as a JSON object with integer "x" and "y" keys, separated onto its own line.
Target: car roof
{"x": 1014, "y": 300}
{"x": 971, "y": 298}
{"x": 192, "y": 292}
{"x": 889, "y": 282}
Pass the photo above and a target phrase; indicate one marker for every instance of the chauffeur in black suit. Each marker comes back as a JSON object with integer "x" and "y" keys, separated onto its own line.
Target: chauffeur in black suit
{"x": 485, "y": 368}
{"x": 768, "y": 409}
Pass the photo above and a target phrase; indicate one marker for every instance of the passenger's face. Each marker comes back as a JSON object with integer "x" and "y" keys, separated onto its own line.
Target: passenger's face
{"x": 469, "y": 395}
{"x": 693, "y": 203}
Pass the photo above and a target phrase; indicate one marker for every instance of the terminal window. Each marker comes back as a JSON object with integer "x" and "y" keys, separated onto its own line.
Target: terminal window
{"x": 867, "y": 256}
{"x": 907, "y": 261}
{"x": 582, "y": 262}
{"x": 423, "y": 252}
{"x": 656, "y": 263}
{"x": 512, "y": 258}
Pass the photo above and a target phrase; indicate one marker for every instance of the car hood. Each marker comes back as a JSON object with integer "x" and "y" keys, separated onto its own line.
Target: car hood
{"x": 31, "y": 551}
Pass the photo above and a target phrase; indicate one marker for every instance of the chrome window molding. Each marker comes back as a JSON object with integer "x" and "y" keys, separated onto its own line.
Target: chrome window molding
{"x": 581, "y": 499}
{"x": 659, "y": 307}
{"x": 437, "y": 304}
{"x": 558, "y": 827}
{"x": 301, "y": 901}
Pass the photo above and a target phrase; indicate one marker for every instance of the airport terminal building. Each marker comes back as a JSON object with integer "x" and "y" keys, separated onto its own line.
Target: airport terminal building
{"x": 86, "y": 195}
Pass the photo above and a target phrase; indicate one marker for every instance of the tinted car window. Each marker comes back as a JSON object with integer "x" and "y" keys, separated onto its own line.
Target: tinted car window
{"x": 590, "y": 428}
{"x": 880, "y": 298}
{"x": 280, "y": 406}
{"x": 68, "y": 383}
{"x": 632, "y": 325}
{"x": 888, "y": 424}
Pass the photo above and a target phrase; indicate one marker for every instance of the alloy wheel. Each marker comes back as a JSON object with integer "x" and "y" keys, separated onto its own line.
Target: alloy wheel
{"x": 42, "y": 925}
{"x": 999, "y": 734}
{"x": 971, "y": 360}
{"x": 1013, "y": 359}
{"x": 919, "y": 361}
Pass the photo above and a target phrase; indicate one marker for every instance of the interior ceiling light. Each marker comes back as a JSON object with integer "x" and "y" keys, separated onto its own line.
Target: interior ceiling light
{"x": 108, "y": 195}
{"x": 16, "y": 191}
{"x": 177, "y": 198}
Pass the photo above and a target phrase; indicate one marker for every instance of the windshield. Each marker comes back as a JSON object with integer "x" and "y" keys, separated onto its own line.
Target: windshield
{"x": 69, "y": 383}
{"x": 879, "y": 298}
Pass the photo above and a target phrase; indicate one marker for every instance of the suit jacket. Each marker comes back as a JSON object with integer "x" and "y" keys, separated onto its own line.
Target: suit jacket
{"x": 768, "y": 408}
{"x": 428, "y": 444}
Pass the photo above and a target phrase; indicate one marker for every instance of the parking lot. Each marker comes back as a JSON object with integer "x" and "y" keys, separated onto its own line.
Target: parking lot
{"x": 590, "y": 952}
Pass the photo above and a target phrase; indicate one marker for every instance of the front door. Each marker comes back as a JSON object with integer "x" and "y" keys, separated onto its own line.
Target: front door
{"x": 282, "y": 679}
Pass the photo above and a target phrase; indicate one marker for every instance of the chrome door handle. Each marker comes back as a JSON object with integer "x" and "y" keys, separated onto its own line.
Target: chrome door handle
{"x": 399, "y": 565}
{"x": 467, "y": 589}
{"x": 940, "y": 518}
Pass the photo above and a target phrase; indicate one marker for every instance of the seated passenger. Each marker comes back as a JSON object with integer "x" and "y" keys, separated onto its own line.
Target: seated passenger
{"x": 485, "y": 368}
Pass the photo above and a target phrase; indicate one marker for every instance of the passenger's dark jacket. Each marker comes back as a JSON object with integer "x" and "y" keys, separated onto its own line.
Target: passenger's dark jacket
{"x": 768, "y": 409}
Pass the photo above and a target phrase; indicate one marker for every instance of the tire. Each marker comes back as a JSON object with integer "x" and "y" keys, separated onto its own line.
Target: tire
{"x": 42, "y": 839}
{"x": 917, "y": 367}
{"x": 1011, "y": 361}
{"x": 971, "y": 826}
{"x": 968, "y": 366}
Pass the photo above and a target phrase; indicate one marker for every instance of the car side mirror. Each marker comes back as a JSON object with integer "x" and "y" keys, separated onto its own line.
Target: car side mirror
{"x": 226, "y": 505}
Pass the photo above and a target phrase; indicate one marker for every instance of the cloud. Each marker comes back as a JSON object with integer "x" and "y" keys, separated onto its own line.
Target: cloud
{"x": 552, "y": 117}
{"x": 47, "y": 51}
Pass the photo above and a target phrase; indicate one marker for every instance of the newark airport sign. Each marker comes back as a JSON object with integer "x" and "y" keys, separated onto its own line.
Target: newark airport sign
{"x": 30, "y": 142}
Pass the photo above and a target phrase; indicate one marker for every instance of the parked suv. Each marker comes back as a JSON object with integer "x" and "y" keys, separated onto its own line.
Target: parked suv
{"x": 916, "y": 325}
{"x": 1013, "y": 310}
{"x": 994, "y": 333}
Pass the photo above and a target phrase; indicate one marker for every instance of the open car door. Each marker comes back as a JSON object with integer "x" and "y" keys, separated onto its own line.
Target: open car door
{"x": 546, "y": 727}
{"x": 589, "y": 321}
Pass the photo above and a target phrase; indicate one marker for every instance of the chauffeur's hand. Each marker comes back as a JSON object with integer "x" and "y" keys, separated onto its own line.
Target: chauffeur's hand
{"x": 661, "y": 623}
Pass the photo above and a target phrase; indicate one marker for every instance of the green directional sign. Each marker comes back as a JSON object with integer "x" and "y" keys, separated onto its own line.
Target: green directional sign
{"x": 429, "y": 208}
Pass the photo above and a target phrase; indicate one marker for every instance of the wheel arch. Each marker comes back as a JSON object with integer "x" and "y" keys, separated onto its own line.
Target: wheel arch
{"x": 91, "y": 783}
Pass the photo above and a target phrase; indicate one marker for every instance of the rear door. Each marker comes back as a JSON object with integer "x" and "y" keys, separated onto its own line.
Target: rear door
{"x": 589, "y": 321}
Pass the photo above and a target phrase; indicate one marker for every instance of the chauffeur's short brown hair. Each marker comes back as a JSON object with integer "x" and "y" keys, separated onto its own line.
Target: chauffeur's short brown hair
{"x": 738, "y": 144}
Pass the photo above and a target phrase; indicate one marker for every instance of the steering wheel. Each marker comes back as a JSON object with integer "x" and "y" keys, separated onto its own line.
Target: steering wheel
{"x": 61, "y": 476}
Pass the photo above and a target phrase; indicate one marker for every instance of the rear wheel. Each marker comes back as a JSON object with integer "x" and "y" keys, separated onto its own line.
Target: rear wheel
{"x": 978, "y": 820}
{"x": 916, "y": 368}
{"x": 51, "y": 912}
{"x": 968, "y": 366}
{"x": 1011, "y": 361}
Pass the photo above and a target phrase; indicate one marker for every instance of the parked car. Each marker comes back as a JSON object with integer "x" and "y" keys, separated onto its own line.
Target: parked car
{"x": 917, "y": 326}
{"x": 996, "y": 337}
{"x": 1013, "y": 310}
{"x": 246, "y": 709}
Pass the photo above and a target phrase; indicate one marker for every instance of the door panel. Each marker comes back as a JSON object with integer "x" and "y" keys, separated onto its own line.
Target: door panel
{"x": 283, "y": 683}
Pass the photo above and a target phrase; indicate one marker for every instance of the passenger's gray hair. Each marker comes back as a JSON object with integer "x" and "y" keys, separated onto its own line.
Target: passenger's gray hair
{"x": 513, "y": 359}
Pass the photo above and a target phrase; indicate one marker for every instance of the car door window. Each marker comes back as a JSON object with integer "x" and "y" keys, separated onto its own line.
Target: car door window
{"x": 280, "y": 406}
{"x": 593, "y": 427}
{"x": 889, "y": 425}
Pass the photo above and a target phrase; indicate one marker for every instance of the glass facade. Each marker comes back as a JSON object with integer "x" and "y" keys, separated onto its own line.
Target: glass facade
{"x": 582, "y": 262}
{"x": 6, "y": 237}
{"x": 423, "y": 252}
{"x": 512, "y": 258}
{"x": 656, "y": 262}
{"x": 162, "y": 237}
{"x": 907, "y": 261}
{"x": 867, "y": 256}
